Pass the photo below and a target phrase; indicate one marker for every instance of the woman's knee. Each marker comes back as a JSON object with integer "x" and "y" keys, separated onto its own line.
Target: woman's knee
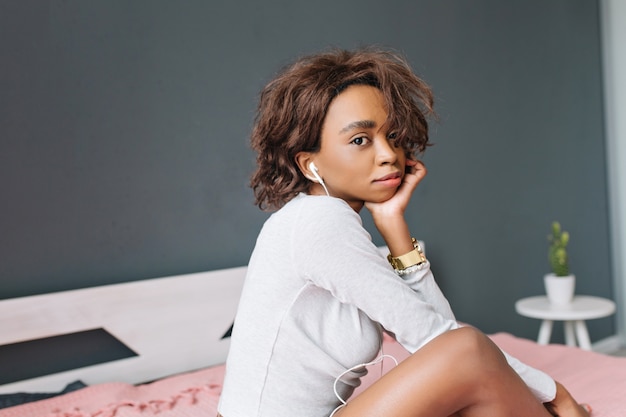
{"x": 472, "y": 347}
{"x": 466, "y": 339}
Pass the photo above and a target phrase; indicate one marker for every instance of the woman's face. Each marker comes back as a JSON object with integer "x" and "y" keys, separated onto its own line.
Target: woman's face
{"x": 357, "y": 159}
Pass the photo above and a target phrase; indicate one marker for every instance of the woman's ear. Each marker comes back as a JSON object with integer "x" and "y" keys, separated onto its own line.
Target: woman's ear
{"x": 304, "y": 160}
{"x": 310, "y": 171}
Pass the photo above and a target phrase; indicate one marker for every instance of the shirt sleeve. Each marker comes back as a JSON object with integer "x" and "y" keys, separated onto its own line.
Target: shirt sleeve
{"x": 334, "y": 251}
{"x": 541, "y": 384}
{"x": 423, "y": 283}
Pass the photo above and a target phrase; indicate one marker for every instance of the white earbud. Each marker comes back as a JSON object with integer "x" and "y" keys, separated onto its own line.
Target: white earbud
{"x": 317, "y": 176}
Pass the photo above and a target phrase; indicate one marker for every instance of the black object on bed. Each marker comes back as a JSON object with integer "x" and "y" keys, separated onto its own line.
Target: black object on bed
{"x": 9, "y": 400}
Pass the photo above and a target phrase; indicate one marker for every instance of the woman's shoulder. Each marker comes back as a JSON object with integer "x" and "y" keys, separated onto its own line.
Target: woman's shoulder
{"x": 316, "y": 210}
{"x": 317, "y": 203}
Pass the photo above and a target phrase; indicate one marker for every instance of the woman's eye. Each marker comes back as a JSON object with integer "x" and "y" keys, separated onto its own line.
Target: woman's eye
{"x": 359, "y": 141}
{"x": 392, "y": 136}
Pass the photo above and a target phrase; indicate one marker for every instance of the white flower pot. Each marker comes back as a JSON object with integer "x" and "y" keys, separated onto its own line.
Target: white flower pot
{"x": 560, "y": 290}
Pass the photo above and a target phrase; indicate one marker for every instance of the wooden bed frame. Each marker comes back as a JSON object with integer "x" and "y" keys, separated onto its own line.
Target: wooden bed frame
{"x": 175, "y": 324}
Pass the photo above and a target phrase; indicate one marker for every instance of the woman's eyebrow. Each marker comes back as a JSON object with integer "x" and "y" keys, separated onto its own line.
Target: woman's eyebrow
{"x": 359, "y": 124}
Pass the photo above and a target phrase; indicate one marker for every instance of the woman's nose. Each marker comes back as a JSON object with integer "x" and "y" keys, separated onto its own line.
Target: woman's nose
{"x": 385, "y": 152}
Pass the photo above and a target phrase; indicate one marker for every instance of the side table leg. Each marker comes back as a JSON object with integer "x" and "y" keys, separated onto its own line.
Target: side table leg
{"x": 545, "y": 331}
{"x": 583, "y": 335}
{"x": 570, "y": 339}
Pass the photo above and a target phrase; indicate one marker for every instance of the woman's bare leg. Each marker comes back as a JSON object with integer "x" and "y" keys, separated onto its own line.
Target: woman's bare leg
{"x": 459, "y": 373}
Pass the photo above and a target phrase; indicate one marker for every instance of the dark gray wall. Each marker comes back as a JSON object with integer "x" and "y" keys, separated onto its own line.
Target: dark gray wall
{"x": 124, "y": 156}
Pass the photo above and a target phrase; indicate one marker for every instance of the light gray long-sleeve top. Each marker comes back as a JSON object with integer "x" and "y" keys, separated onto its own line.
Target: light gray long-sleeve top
{"x": 317, "y": 294}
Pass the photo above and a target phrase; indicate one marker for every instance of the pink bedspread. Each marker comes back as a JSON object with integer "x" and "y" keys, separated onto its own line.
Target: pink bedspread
{"x": 593, "y": 378}
{"x": 192, "y": 394}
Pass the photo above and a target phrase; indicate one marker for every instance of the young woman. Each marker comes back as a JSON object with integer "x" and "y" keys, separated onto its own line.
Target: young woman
{"x": 336, "y": 132}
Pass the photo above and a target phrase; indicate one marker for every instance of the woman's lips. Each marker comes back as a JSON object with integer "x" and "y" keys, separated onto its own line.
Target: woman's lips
{"x": 391, "y": 180}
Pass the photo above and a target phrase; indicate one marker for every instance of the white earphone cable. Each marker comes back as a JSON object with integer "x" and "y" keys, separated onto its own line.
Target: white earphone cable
{"x": 374, "y": 362}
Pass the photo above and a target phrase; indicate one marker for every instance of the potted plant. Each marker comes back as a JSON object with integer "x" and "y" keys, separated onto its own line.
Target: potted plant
{"x": 560, "y": 283}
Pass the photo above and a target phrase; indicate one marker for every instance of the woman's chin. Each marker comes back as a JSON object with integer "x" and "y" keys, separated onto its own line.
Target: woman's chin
{"x": 385, "y": 196}
{"x": 379, "y": 199}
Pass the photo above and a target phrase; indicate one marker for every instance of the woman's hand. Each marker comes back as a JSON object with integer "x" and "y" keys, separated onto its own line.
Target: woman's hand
{"x": 388, "y": 215}
{"x": 564, "y": 404}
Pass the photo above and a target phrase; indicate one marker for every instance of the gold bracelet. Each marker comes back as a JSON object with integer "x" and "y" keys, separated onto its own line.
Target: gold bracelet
{"x": 415, "y": 257}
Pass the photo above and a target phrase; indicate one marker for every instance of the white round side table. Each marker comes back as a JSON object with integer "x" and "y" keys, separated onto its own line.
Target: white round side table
{"x": 582, "y": 308}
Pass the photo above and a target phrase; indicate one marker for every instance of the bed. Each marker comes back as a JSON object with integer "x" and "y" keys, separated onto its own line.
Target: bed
{"x": 175, "y": 331}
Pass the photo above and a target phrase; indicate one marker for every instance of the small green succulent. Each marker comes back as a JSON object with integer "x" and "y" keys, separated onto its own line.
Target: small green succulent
{"x": 557, "y": 253}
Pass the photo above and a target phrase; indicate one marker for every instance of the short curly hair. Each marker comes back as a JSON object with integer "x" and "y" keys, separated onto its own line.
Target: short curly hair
{"x": 293, "y": 106}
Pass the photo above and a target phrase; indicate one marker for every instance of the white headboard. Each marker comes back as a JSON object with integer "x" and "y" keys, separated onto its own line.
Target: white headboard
{"x": 174, "y": 324}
